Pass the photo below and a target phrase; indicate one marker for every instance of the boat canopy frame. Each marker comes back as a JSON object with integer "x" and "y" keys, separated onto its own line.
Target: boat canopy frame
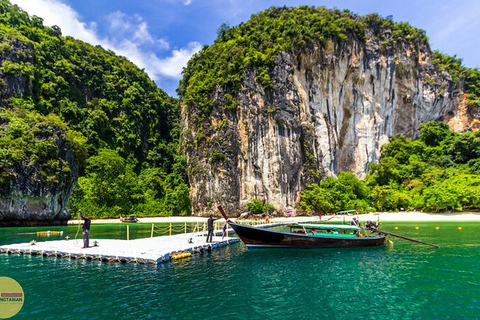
{"x": 347, "y": 212}
{"x": 325, "y": 226}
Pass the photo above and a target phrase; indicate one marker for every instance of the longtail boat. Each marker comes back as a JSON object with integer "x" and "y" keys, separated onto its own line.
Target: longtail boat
{"x": 302, "y": 235}
{"x": 130, "y": 219}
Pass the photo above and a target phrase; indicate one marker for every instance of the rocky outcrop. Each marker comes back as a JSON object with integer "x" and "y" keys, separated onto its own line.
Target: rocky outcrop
{"x": 330, "y": 109}
{"x": 36, "y": 192}
{"x": 25, "y": 209}
{"x": 465, "y": 117}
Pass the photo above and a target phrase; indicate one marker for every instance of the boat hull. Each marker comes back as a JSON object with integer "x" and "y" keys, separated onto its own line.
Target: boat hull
{"x": 254, "y": 237}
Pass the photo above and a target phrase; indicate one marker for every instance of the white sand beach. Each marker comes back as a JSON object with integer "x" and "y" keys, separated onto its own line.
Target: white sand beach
{"x": 382, "y": 216}
{"x": 420, "y": 216}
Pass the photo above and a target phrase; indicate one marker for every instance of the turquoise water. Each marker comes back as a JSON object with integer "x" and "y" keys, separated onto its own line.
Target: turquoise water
{"x": 399, "y": 281}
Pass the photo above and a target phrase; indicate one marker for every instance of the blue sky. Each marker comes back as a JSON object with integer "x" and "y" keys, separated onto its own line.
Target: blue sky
{"x": 161, "y": 35}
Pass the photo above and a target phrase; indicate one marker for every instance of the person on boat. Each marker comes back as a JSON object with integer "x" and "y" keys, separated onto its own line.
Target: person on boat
{"x": 210, "y": 228}
{"x": 354, "y": 222}
{"x": 371, "y": 225}
{"x": 86, "y": 229}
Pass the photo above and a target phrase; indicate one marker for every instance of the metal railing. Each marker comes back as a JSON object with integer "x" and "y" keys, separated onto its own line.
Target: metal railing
{"x": 169, "y": 229}
{"x": 176, "y": 228}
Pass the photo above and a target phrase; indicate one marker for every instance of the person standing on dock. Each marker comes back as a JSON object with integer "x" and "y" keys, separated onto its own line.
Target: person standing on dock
{"x": 224, "y": 230}
{"x": 86, "y": 229}
{"x": 210, "y": 228}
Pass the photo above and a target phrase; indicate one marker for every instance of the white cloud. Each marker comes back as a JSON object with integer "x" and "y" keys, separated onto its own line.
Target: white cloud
{"x": 172, "y": 66}
{"x": 128, "y": 36}
{"x": 129, "y": 27}
{"x": 118, "y": 22}
{"x": 54, "y": 12}
{"x": 163, "y": 44}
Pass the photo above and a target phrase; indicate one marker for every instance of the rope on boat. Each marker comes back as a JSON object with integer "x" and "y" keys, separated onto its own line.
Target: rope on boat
{"x": 78, "y": 229}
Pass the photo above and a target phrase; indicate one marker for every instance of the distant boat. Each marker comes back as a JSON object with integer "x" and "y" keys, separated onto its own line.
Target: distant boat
{"x": 303, "y": 235}
{"x": 130, "y": 219}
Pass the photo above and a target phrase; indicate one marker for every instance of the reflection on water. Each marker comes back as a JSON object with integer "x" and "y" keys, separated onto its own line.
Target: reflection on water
{"x": 399, "y": 281}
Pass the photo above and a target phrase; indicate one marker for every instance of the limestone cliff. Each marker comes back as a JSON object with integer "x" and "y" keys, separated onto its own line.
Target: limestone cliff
{"x": 329, "y": 108}
{"x": 37, "y": 180}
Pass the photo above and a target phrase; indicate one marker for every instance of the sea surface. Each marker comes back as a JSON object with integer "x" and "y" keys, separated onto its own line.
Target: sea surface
{"x": 401, "y": 280}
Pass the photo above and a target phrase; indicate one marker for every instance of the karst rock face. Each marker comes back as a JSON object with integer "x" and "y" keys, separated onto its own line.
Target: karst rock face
{"x": 28, "y": 200}
{"x": 330, "y": 108}
{"x": 22, "y": 208}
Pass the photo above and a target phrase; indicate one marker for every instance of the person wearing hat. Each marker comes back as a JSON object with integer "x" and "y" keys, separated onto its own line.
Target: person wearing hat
{"x": 86, "y": 229}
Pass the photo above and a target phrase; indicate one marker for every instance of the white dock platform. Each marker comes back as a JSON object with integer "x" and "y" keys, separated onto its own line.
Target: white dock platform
{"x": 144, "y": 251}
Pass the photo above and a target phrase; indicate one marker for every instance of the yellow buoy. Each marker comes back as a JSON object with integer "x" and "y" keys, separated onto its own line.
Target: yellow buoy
{"x": 181, "y": 255}
{"x": 49, "y": 233}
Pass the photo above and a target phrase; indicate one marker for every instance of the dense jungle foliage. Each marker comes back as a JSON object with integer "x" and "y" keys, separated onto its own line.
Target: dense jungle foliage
{"x": 130, "y": 127}
{"x": 438, "y": 171}
{"x": 124, "y": 130}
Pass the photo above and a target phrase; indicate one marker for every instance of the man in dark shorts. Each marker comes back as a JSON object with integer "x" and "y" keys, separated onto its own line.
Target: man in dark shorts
{"x": 210, "y": 228}
{"x": 86, "y": 230}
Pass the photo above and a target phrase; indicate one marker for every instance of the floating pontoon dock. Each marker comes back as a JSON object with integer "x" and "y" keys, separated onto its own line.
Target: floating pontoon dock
{"x": 153, "y": 250}
{"x": 144, "y": 251}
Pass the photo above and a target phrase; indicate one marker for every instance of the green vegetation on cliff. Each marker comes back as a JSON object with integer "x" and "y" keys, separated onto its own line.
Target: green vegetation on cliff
{"x": 256, "y": 44}
{"x": 453, "y": 66}
{"x": 123, "y": 115}
{"x": 31, "y": 148}
{"x": 438, "y": 171}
